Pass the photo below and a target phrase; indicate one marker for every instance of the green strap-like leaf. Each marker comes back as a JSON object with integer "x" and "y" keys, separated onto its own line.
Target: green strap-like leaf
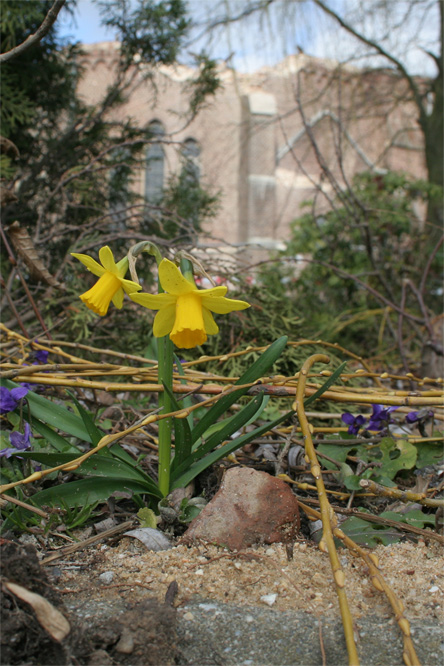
{"x": 257, "y": 370}
{"x": 55, "y": 415}
{"x": 182, "y": 434}
{"x": 91, "y": 490}
{"x": 57, "y": 441}
{"x": 93, "y": 431}
{"x": 331, "y": 380}
{"x": 202, "y": 464}
{"x": 186, "y": 402}
{"x": 252, "y": 410}
{"x": 93, "y": 466}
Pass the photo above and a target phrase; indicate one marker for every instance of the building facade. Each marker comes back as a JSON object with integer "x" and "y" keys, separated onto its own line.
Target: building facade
{"x": 268, "y": 141}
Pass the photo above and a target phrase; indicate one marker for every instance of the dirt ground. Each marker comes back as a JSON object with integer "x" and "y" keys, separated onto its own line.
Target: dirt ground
{"x": 120, "y": 598}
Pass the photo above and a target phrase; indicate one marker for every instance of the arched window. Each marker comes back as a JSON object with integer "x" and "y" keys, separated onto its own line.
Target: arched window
{"x": 191, "y": 155}
{"x": 155, "y": 164}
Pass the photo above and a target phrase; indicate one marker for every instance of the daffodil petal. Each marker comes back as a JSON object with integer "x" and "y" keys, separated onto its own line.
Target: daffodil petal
{"x": 172, "y": 280}
{"x": 117, "y": 299}
{"x": 102, "y": 293}
{"x": 215, "y": 292}
{"x": 164, "y": 320}
{"x": 129, "y": 286}
{"x": 107, "y": 259}
{"x": 154, "y": 301}
{"x": 223, "y": 305}
{"x": 210, "y": 325}
{"x": 90, "y": 263}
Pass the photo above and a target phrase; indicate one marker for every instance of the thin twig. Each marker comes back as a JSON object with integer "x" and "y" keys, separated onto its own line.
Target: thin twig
{"x": 329, "y": 521}
{"x": 43, "y": 30}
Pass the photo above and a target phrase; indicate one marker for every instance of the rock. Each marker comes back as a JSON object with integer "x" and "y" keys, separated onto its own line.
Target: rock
{"x": 100, "y": 658}
{"x": 106, "y": 577}
{"x": 250, "y": 507}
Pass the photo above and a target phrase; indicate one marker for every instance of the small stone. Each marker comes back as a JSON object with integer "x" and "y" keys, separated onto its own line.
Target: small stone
{"x": 106, "y": 577}
{"x": 100, "y": 658}
{"x": 188, "y": 616}
{"x": 269, "y": 599}
{"x": 434, "y": 588}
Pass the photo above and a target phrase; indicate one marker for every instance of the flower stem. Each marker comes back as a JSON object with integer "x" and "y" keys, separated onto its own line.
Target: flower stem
{"x": 165, "y": 374}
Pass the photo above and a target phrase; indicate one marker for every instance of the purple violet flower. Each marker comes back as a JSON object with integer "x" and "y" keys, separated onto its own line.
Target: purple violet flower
{"x": 19, "y": 441}
{"x": 41, "y": 356}
{"x": 9, "y": 399}
{"x": 354, "y": 423}
{"x": 412, "y": 417}
{"x": 380, "y": 418}
{"x": 419, "y": 417}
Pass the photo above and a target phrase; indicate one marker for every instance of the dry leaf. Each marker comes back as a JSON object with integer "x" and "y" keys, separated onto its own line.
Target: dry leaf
{"x": 151, "y": 538}
{"x": 6, "y": 146}
{"x": 49, "y": 617}
{"x": 24, "y": 247}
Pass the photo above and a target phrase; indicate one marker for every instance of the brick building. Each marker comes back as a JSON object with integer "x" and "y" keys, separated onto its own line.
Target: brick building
{"x": 254, "y": 140}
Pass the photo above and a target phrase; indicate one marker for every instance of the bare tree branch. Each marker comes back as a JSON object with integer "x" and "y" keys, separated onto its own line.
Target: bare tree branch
{"x": 43, "y": 30}
{"x": 379, "y": 49}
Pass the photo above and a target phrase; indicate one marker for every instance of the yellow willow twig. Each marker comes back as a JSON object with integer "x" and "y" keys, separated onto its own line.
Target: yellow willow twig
{"x": 327, "y": 513}
{"x": 336, "y": 395}
{"x": 53, "y": 346}
{"x": 53, "y": 367}
{"x": 402, "y": 495}
{"x": 409, "y": 654}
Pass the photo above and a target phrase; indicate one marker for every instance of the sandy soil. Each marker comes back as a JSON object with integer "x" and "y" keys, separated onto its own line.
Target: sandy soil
{"x": 256, "y": 576}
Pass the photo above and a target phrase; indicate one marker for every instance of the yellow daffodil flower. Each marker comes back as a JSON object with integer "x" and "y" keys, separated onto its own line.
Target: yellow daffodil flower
{"x": 111, "y": 283}
{"x": 184, "y": 310}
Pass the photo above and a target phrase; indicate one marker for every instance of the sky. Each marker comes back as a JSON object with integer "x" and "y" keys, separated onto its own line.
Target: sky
{"x": 289, "y": 27}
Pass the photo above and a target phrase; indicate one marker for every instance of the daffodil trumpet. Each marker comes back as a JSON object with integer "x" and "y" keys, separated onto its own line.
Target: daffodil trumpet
{"x": 111, "y": 284}
{"x": 185, "y": 313}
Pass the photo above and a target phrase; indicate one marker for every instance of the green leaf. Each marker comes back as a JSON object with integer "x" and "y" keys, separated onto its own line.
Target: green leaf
{"x": 396, "y": 455}
{"x": 331, "y": 380}
{"x": 52, "y": 414}
{"x": 413, "y": 517}
{"x": 187, "y": 402}
{"x": 224, "y": 422}
{"x": 57, "y": 441}
{"x": 338, "y": 453}
{"x": 224, "y": 451}
{"x": 252, "y": 410}
{"x": 350, "y": 480}
{"x": 91, "y": 491}
{"x": 369, "y": 534}
{"x": 92, "y": 466}
{"x": 429, "y": 453}
{"x": 93, "y": 431}
{"x": 119, "y": 452}
{"x": 254, "y": 372}
{"x": 182, "y": 433}
{"x": 147, "y": 517}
